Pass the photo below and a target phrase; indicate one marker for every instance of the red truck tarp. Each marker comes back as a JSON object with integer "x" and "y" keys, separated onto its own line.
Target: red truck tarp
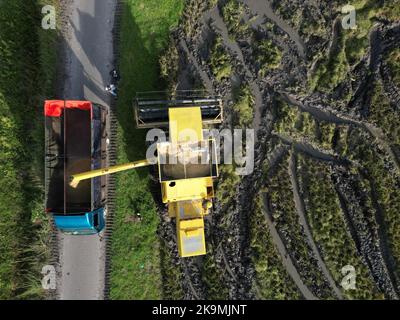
{"x": 54, "y": 108}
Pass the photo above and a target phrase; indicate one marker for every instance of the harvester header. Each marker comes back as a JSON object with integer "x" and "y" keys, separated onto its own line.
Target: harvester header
{"x": 151, "y": 108}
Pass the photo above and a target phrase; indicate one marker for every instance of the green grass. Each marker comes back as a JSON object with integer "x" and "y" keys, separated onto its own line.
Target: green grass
{"x": 386, "y": 184}
{"x": 290, "y": 120}
{"x": 272, "y": 279}
{"x": 331, "y": 70}
{"x": 243, "y": 107}
{"x": 267, "y": 55}
{"x": 393, "y": 60}
{"x": 280, "y": 194}
{"x": 27, "y": 59}
{"x": 220, "y": 61}
{"x": 302, "y": 126}
{"x": 136, "y": 261}
{"x": 382, "y": 114}
{"x": 352, "y": 44}
{"x": 232, "y": 13}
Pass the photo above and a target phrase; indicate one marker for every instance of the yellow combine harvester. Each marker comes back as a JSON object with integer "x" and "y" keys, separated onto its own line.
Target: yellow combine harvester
{"x": 187, "y": 163}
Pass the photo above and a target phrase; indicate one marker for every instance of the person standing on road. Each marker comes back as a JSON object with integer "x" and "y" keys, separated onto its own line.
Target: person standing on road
{"x": 112, "y": 88}
{"x": 115, "y": 76}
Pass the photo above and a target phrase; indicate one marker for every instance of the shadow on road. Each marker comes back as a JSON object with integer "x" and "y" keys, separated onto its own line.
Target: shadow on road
{"x": 90, "y": 71}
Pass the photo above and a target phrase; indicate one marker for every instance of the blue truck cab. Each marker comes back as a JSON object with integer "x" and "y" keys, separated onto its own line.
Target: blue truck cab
{"x": 76, "y": 141}
{"x": 80, "y": 224}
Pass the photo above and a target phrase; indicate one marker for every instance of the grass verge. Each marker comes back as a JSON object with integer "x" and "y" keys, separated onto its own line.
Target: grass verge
{"x": 27, "y": 59}
{"x": 136, "y": 261}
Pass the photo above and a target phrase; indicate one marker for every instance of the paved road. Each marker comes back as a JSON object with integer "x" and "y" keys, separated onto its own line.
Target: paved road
{"x": 89, "y": 57}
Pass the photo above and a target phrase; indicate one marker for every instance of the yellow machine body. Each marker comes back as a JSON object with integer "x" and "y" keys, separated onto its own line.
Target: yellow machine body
{"x": 188, "y": 190}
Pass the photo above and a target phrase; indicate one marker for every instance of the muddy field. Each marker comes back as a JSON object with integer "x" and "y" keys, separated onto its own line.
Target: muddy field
{"x": 324, "y": 104}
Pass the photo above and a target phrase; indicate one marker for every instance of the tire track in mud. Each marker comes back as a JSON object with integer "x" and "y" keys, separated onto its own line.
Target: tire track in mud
{"x": 221, "y": 28}
{"x": 191, "y": 59}
{"x": 329, "y": 44}
{"x": 312, "y": 151}
{"x": 276, "y": 156}
{"x": 325, "y": 113}
{"x": 378, "y": 134}
{"x": 301, "y": 211}
{"x": 237, "y": 251}
{"x": 391, "y": 91}
{"x": 387, "y": 255}
{"x": 333, "y": 44}
{"x": 366, "y": 238}
{"x": 321, "y": 113}
{"x": 263, "y": 8}
{"x": 373, "y": 255}
{"x": 286, "y": 259}
{"x": 361, "y": 99}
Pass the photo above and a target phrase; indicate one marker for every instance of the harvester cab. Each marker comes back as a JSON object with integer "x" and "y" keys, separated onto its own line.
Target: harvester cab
{"x": 187, "y": 162}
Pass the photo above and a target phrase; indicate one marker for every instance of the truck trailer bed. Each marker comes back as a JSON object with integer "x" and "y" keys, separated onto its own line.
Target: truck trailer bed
{"x": 74, "y": 144}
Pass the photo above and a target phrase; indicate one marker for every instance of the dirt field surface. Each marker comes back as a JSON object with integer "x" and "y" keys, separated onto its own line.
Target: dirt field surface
{"x": 323, "y": 102}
